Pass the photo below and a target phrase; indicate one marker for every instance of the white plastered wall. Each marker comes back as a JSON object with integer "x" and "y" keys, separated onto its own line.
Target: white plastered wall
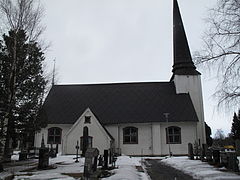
{"x": 152, "y": 138}
{"x": 101, "y": 139}
{"x": 192, "y": 84}
{"x": 44, "y": 131}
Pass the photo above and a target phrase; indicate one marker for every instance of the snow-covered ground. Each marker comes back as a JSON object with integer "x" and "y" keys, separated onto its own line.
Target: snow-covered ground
{"x": 65, "y": 164}
{"x": 126, "y": 169}
{"x": 200, "y": 170}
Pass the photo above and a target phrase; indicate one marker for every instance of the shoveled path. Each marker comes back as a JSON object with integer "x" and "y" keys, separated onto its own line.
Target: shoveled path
{"x": 159, "y": 171}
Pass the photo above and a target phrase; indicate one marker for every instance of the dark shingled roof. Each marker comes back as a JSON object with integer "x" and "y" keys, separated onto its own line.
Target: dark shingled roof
{"x": 118, "y": 103}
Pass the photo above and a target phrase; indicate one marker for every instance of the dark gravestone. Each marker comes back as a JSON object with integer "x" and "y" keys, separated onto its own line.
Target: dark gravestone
{"x": 209, "y": 155}
{"x": 23, "y": 155}
{"x": 110, "y": 156}
{"x": 100, "y": 160}
{"x": 190, "y": 151}
{"x": 90, "y": 165}
{"x": 105, "y": 157}
{"x": 43, "y": 161}
{"x": 85, "y": 140}
{"x": 203, "y": 152}
{"x": 56, "y": 149}
{"x": 224, "y": 159}
{"x": 216, "y": 156}
{"x": 233, "y": 162}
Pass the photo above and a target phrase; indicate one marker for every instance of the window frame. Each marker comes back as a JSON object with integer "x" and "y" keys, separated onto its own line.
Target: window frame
{"x": 87, "y": 119}
{"x": 54, "y": 135}
{"x": 130, "y": 135}
{"x": 176, "y": 134}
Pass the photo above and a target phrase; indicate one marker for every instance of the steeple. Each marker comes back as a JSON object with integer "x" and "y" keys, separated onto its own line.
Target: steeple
{"x": 183, "y": 64}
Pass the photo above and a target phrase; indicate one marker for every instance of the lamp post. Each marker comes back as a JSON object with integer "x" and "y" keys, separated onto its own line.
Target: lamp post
{"x": 169, "y": 148}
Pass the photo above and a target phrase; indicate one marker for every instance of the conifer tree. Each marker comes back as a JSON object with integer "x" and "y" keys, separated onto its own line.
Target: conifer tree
{"x": 29, "y": 85}
{"x": 235, "y": 131}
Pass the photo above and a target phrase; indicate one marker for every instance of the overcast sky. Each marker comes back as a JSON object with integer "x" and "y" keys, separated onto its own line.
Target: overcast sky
{"x": 96, "y": 41}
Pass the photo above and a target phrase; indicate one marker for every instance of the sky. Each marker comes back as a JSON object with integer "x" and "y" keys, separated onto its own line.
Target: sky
{"x": 111, "y": 41}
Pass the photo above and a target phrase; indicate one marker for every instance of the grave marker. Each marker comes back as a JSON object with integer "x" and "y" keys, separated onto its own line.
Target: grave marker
{"x": 90, "y": 165}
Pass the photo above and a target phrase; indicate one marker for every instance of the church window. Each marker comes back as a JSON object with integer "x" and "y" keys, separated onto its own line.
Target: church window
{"x": 87, "y": 120}
{"x": 130, "y": 135}
{"x": 173, "y": 135}
{"x": 54, "y": 135}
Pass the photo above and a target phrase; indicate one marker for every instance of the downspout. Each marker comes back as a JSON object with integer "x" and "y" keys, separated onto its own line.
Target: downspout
{"x": 152, "y": 137}
{"x": 119, "y": 139}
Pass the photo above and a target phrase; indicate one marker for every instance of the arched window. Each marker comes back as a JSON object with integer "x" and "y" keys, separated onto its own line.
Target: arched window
{"x": 54, "y": 135}
{"x": 173, "y": 135}
{"x": 130, "y": 135}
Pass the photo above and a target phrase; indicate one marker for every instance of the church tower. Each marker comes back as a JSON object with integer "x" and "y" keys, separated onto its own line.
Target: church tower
{"x": 185, "y": 76}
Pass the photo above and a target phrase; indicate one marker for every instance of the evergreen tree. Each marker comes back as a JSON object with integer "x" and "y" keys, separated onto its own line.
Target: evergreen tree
{"x": 29, "y": 85}
{"x": 208, "y": 135}
{"x": 235, "y": 131}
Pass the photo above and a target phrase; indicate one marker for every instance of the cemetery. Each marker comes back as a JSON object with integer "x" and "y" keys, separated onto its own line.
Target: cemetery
{"x": 93, "y": 165}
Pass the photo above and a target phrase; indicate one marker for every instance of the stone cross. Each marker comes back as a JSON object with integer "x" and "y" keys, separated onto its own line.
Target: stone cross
{"x": 77, "y": 148}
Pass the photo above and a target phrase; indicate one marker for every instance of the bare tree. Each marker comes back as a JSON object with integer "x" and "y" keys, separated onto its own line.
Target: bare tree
{"x": 221, "y": 50}
{"x": 17, "y": 15}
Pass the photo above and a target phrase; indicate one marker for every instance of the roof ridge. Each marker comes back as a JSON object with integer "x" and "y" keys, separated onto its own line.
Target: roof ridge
{"x": 115, "y": 83}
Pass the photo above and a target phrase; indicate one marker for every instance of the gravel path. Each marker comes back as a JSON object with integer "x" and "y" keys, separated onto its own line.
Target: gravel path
{"x": 159, "y": 171}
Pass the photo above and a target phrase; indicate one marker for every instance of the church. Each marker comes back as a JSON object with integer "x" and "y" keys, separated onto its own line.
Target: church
{"x": 148, "y": 118}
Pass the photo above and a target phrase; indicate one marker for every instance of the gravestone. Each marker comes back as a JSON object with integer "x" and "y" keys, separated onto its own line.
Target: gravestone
{"x": 237, "y": 145}
{"x": 216, "y": 156}
{"x": 203, "y": 152}
{"x": 209, "y": 155}
{"x": 224, "y": 159}
{"x": 23, "y": 155}
{"x": 90, "y": 165}
{"x": 232, "y": 161}
{"x": 43, "y": 159}
{"x": 105, "y": 157}
{"x": 100, "y": 161}
{"x": 190, "y": 151}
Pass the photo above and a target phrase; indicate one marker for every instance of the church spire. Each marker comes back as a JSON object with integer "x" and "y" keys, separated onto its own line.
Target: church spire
{"x": 183, "y": 64}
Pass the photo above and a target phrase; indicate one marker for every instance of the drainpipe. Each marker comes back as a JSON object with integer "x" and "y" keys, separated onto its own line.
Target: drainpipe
{"x": 152, "y": 137}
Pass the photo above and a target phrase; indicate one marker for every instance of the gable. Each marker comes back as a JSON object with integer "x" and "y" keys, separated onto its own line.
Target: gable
{"x": 93, "y": 124}
{"x": 118, "y": 103}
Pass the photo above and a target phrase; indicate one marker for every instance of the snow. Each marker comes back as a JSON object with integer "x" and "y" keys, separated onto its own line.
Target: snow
{"x": 15, "y": 156}
{"x": 199, "y": 170}
{"x": 127, "y": 169}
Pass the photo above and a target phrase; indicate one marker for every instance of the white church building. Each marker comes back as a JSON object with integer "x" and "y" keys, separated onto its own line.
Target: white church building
{"x": 148, "y": 118}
